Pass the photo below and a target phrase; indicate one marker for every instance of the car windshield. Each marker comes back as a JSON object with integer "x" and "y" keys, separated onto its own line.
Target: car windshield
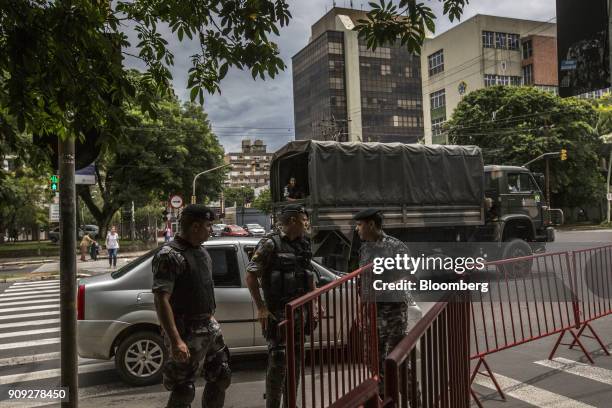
{"x": 131, "y": 265}
{"x": 253, "y": 226}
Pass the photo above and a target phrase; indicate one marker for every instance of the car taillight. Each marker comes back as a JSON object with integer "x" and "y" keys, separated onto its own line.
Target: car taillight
{"x": 81, "y": 303}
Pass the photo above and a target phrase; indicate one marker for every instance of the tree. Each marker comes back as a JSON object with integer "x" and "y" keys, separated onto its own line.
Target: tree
{"x": 21, "y": 203}
{"x": 238, "y": 196}
{"x": 516, "y": 124}
{"x": 155, "y": 158}
{"x": 263, "y": 202}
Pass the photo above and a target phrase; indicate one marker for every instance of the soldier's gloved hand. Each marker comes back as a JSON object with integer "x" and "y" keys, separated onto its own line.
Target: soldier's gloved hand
{"x": 180, "y": 351}
{"x": 262, "y": 315}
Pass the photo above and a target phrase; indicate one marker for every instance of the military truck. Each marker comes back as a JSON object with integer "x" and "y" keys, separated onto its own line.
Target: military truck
{"x": 426, "y": 194}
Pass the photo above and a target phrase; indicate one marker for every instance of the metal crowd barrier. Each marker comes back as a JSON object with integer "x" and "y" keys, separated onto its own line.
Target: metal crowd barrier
{"x": 340, "y": 353}
{"x": 442, "y": 377}
{"x": 537, "y": 296}
{"x": 365, "y": 395}
{"x": 592, "y": 274}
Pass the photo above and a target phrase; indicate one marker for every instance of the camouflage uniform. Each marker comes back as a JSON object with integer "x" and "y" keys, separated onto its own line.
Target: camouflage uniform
{"x": 277, "y": 364}
{"x": 391, "y": 308}
{"x": 201, "y": 334}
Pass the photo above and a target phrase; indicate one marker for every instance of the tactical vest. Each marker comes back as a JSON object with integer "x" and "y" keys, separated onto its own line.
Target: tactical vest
{"x": 288, "y": 274}
{"x": 194, "y": 290}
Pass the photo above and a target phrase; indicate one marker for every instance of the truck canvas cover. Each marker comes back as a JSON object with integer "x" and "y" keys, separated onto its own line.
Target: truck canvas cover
{"x": 349, "y": 174}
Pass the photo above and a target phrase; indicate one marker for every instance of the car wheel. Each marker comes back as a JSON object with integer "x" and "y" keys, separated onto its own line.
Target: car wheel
{"x": 140, "y": 358}
{"x": 517, "y": 248}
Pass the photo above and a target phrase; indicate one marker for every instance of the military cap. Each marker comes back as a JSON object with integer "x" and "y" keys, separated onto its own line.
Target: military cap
{"x": 368, "y": 214}
{"x": 294, "y": 208}
{"x": 199, "y": 211}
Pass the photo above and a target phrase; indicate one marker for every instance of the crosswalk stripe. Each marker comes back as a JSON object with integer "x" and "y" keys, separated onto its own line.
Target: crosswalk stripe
{"x": 529, "y": 393}
{"x": 565, "y": 365}
{"x": 31, "y": 289}
{"x": 22, "y": 315}
{"x": 28, "y": 333}
{"x": 36, "y": 307}
{"x": 32, "y": 358}
{"x": 29, "y": 323}
{"x": 10, "y": 299}
{"x": 34, "y": 292}
{"x": 28, "y": 302}
{"x": 52, "y": 373}
{"x": 31, "y": 343}
{"x": 36, "y": 358}
{"x": 36, "y": 283}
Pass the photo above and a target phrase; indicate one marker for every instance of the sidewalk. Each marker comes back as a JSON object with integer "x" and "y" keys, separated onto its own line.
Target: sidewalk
{"x": 90, "y": 267}
{"x": 55, "y": 259}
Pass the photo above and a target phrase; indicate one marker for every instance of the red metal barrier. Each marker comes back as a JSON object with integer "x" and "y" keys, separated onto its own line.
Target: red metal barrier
{"x": 341, "y": 353}
{"x": 365, "y": 395}
{"x": 592, "y": 271}
{"x": 442, "y": 379}
{"x": 529, "y": 298}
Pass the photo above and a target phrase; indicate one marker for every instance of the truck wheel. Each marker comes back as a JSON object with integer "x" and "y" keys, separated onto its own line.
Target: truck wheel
{"x": 517, "y": 248}
{"x": 140, "y": 358}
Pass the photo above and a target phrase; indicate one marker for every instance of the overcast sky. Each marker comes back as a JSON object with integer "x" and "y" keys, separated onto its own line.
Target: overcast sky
{"x": 264, "y": 109}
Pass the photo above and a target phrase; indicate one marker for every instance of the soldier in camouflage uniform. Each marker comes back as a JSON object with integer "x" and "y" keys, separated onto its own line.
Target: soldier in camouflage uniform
{"x": 185, "y": 304}
{"x": 281, "y": 262}
{"x": 391, "y": 308}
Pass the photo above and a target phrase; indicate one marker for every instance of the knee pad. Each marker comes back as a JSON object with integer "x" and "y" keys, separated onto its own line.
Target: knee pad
{"x": 182, "y": 395}
{"x": 217, "y": 369}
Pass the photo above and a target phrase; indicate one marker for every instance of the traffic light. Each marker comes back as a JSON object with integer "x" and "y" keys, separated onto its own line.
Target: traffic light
{"x": 54, "y": 183}
{"x": 563, "y": 154}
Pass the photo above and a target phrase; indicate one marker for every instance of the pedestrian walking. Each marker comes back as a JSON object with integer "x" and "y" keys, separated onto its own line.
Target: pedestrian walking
{"x": 392, "y": 307}
{"x": 112, "y": 246}
{"x": 281, "y": 262}
{"x": 168, "y": 234}
{"x": 185, "y": 303}
{"x": 86, "y": 241}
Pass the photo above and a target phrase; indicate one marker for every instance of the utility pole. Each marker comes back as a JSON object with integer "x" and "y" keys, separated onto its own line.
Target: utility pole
{"x": 547, "y": 182}
{"x": 608, "y": 185}
{"x": 69, "y": 375}
{"x": 193, "y": 194}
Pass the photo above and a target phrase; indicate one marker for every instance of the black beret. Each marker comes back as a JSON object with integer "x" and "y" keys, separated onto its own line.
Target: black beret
{"x": 294, "y": 208}
{"x": 368, "y": 214}
{"x": 199, "y": 211}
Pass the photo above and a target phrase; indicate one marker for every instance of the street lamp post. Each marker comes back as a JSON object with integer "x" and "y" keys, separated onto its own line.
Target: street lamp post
{"x": 193, "y": 194}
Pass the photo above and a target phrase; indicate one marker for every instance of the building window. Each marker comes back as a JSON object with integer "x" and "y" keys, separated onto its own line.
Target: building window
{"x": 406, "y": 121}
{"x": 490, "y": 80}
{"x": 436, "y": 62}
{"x": 436, "y": 126}
{"x": 336, "y": 83}
{"x": 528, "y": 74}
{"x": 487, "y": 39}
{"x": 527, "y": 49}
{"x": 437, "y": 99}
{"x": 500, "y": 40}
{"x": 513, "y": 41}
{"x": 334, "y": 48}
{"x": 385, "y": 69}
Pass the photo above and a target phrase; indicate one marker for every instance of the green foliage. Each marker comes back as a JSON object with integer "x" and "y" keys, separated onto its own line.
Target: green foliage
{"x": 154, "y": 158}
{"x": 263, "y": 202}
{"x": 238, "y": 195}
{"x": 403, "y": 20}
{"x": 516, "y": 124}
{"x": 23, "y": 193}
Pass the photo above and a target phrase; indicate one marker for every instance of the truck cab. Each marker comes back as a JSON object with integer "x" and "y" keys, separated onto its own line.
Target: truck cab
{"x": 516, "y": 206}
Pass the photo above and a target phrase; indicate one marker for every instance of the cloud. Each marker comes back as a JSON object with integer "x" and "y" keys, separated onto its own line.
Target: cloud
{"x": 264, "y": 109}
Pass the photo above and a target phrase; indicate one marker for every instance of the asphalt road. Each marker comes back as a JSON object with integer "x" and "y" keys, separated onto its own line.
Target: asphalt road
{"x": 29, "y": 359}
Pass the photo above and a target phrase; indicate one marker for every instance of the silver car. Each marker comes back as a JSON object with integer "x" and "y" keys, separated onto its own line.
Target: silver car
{"x": 116, "y": 313}
{"x": 117, "y": 318}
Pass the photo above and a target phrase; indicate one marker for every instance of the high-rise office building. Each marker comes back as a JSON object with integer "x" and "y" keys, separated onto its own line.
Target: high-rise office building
{"x": 343, "y": 91}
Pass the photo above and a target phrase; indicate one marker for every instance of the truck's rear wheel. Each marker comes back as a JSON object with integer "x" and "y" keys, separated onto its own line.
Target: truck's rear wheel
{"x": 516, "y": 248}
